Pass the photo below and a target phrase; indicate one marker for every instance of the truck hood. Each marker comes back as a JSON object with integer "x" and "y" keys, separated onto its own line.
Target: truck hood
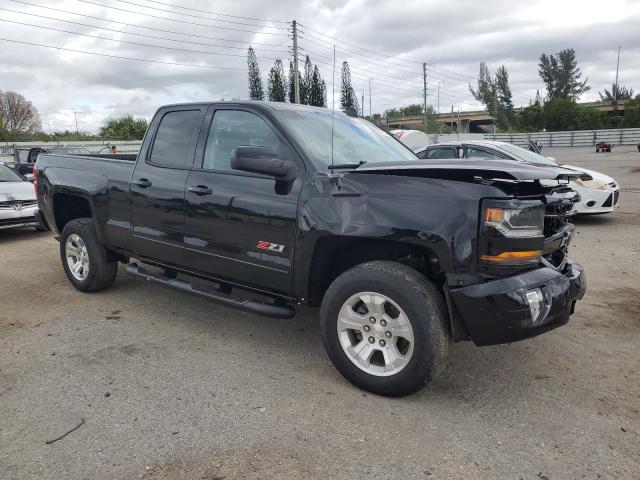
{"x": 10, "y": 191}
{"x": 465, "y": 170}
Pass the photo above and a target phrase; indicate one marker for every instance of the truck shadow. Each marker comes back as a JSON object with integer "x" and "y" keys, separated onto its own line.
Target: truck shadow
{"x": 20, "y": 234}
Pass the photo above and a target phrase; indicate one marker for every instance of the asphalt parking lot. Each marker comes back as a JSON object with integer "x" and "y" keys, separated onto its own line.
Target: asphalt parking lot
{"x": 172, "y": 386}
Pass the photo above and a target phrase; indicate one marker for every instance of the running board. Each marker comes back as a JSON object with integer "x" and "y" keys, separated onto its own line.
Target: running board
{"x": 245, "y": 304}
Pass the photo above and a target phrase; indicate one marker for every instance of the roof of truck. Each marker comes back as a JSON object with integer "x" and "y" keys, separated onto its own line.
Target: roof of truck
{"x": 258, "y": 103}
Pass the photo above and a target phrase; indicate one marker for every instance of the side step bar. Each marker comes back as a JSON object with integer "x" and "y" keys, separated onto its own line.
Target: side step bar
{"x": 245, "y": 304}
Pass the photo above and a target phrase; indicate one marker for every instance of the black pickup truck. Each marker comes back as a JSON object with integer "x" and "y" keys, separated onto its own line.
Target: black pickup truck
{"x": 295, "y": 205}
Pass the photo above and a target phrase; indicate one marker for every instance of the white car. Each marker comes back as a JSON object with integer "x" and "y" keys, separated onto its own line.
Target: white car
{"x": 598, "y": 195}
{"x": 18, "y": 204}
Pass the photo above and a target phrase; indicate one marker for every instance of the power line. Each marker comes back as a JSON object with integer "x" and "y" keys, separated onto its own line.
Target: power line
{"x": 178, "y": 21}
{"x": 434, "y": 70}
{"x": 215, "y": 13}
{"x": 197, "y": 16}
{"x": 385, "y": 55}
{"x": 368, "y": 59}
{"x": 374, "y": 75}
{"x": 155, "y": 37}
{"x": 216, "y": 67}
{"x": 128, "y": 42}
{"x": 208, "y": 37}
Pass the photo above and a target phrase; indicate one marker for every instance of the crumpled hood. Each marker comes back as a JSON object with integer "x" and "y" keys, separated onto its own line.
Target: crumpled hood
{"x": 600, "y": 177}
{"x": 461, "y": 169}
{"x": 10, "y": 191}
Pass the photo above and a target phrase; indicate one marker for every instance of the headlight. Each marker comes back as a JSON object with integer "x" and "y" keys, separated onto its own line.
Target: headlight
{"x": 515, "y": 222}
{"x": 511, "y": 232}
{"x": 591, "y": 184}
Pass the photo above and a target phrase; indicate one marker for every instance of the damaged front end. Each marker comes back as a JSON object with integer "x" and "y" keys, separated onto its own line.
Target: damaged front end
{"x": 529, "y": 285}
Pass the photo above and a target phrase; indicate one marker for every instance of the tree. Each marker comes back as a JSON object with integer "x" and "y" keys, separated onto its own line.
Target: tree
{"x": 256, "y": 91}
{"x": 560, "y": 114}
{"x": 277, "y": 83}
{"x": 495, "y": 94}
{"x": 561, "y": 75}
{"x": 617, "y": 92}
{"x": 485, "y": 92}
{"x": 348, "y": 97}
{"x": 632, "y": 114}
{"x": 124, "y": 128}
{"x": 18, "y": 116}
{"x": 530, "y": 119}
{"x": 506, "y": 116}
{"x": 317, "y": 90}
{"x": 305, "y": 82}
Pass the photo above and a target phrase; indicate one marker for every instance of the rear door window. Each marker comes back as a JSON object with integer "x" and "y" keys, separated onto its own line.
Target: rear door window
{"x": 174, "y": 142}
{"x": 438, "y": 153}
{"x": 474, "y": 152}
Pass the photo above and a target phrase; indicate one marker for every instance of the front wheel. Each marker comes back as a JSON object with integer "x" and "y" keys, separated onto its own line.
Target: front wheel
{"x": 384, "y": 328}
{"x": 86, "y": 262}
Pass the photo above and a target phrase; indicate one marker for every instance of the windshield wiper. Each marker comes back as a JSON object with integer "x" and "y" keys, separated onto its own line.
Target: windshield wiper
{"x": 347, "y": 165}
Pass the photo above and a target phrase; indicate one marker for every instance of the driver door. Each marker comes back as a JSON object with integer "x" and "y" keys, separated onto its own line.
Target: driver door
{"x": 239, "y": 226}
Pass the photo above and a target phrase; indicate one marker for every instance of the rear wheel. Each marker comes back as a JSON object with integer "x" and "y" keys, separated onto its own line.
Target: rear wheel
{"x": 384, "y": 328}
{"x": 86, "y": 262}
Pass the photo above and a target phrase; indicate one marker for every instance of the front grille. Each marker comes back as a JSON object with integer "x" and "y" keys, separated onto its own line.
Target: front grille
{"x": 18, "y": 204}
{"x": 557, "y": 225}
{"x": 616, "y": 197}
{"x": 7, "y": 222}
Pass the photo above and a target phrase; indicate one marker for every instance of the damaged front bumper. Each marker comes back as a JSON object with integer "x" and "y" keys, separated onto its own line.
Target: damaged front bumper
{"x": 499, "y": 311}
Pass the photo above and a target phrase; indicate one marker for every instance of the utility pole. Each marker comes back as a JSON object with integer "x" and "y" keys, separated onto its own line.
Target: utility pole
{"x": 424, "y": 80}
{"x": 615, "y": 94}
{"x": 438, "y": 113}
{"x": 370, "y": 114}
{"x": 296, "y": 73}
{"x": 362, "y": 104}
{"x": 49, "y": 128}
{"x": 75, "y": 115}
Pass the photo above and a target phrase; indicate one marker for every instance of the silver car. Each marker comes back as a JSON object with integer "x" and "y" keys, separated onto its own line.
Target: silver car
{"x": 18, "y": 205}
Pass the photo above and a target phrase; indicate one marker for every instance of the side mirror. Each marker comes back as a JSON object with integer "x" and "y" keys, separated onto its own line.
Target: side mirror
{"x": 29, "y": 177}
{"x": 262, "y": 160}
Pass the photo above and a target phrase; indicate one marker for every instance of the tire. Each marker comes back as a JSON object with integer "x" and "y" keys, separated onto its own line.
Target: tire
{"x": 422, "y": 305}
{"x": 101, "y": 269}
{"x": 597, "y": 150}
{"x": 608, "y": 150}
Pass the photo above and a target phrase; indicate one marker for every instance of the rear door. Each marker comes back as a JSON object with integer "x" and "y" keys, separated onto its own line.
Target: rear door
{"x": 158, "y": 181}
{"x": 241, "y": 226}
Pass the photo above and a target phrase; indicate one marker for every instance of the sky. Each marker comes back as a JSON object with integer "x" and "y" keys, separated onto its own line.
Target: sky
{"x": 196, "y": 50}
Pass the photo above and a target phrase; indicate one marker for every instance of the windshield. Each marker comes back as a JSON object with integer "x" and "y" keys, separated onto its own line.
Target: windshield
{"x": 527, "y": 155}
{"x": 8, "y": 175}
{"x": 355, "y": 140}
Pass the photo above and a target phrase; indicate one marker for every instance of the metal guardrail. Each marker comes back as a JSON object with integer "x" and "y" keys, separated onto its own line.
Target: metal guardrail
{"x": 577, "y": 138}
{"x": 7, "y": 149}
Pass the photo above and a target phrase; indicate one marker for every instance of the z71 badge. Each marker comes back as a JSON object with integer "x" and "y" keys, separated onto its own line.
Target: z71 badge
{"x": 272, "y": 247}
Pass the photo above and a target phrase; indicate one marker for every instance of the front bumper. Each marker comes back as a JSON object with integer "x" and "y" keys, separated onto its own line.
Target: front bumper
{"x": 497, "y": 311}
{"x": 10, "y": 218}
{"x": 598, "y": 201}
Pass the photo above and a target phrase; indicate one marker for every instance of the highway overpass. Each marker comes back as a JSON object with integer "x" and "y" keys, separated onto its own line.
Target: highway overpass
{"x": 472, "y": 121}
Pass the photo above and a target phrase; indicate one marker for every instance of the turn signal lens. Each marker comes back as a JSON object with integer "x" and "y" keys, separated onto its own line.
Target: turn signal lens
{"x": 493, "y": 215}
{"x": 513, "y": 257}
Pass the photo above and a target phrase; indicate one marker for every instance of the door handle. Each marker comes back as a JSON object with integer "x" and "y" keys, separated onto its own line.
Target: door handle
{"x": 142, "y": 183}
{"x": 200, "y": 190}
